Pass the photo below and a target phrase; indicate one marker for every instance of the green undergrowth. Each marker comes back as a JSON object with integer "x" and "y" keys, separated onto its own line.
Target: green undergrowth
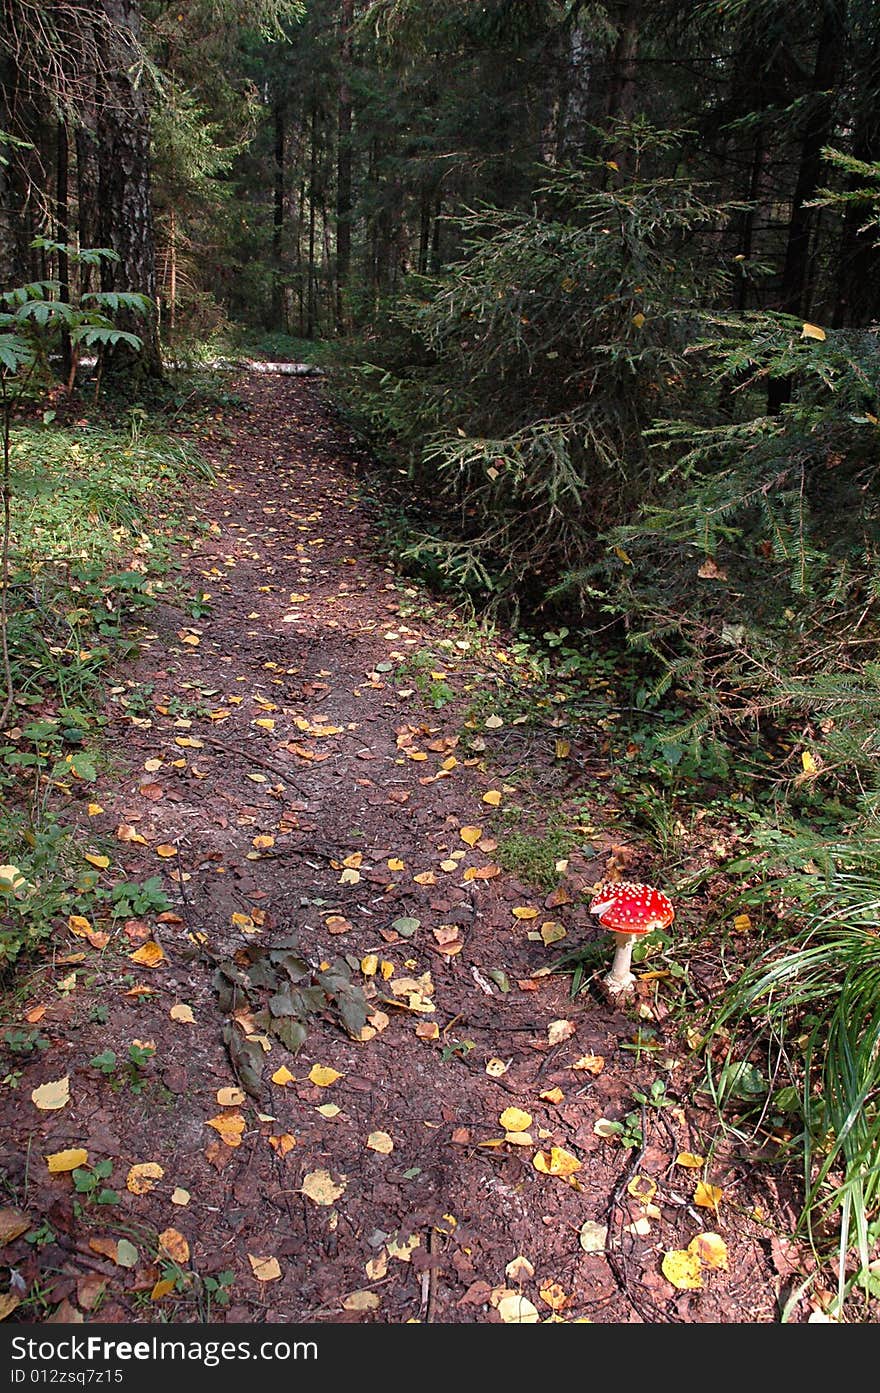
{"x": 772, "y": 856}
{"x": 94, "y": 512}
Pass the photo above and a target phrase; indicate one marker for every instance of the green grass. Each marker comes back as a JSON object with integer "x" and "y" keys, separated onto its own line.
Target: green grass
{"x": 94, "y": 511}
{"x": 532, "y": 857}
{"x": 812, "y": 999}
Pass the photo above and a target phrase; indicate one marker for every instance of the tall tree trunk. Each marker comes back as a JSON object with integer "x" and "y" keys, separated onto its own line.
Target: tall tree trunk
{"x": 278, "y": 209}
{"x": 795, "y": 289}
{"x": 624, "y": 71}
{"x": 62, "y": 234}
{"x": 311, "y": 299}
{"x": 125, "y": 213}
{"x": 344, "y": 171}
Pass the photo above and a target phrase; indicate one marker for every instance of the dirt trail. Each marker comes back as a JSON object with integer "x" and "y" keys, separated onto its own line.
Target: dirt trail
{"x": 276, "y": 763}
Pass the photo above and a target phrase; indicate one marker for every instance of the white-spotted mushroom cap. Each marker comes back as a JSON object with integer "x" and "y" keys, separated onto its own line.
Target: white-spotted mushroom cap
{"x": 629, "y": 907}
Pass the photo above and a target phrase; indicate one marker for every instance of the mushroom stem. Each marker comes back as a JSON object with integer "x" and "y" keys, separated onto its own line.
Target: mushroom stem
{"x": 620, "y": 978}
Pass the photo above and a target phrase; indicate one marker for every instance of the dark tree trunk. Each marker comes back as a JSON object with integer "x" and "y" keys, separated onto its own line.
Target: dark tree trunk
{"x": 62, "y": 234}
{"x": 795, "y": 290}
{"x": 125, "y": 214}
{"x": 311, "y": 297}
{"x": 278, "y": 210}
{"x": 344, "y": 172}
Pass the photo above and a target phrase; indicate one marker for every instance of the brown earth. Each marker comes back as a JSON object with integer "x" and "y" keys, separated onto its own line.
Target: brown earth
{"x": 286, "y": 777}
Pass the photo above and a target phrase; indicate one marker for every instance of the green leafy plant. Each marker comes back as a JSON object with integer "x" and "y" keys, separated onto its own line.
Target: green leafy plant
{"x": 128, "y": 1072}
{"x": 88, "y": 1182}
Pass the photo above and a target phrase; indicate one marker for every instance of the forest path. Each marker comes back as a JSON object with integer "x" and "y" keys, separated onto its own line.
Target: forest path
{"x": 280, "y": 763}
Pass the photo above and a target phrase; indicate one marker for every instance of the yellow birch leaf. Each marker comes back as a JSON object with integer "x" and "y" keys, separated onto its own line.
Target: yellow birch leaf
{"x": 683, "y": 1270}
{"x": 515, "y": 1120}
{"x": 428, "y": 1030}
{"x": 395, "y": 864}
{"x": 142, "y": 1177}
{"x": 61, "y": 1161}
{"x": 51, "y": 1096}
{"x": 180, "y": 1196}
{"x": 556, "y": 1161}
{"x": 79, "y": 925}
{"x": 551, "y": 932}
{"x": 321, "y": 1188}
{"x": 690, "y": 1160}
{"x": 361, "y": 1301}
{"x": 148, "y": 955}
{"x": 102, "y": 862}
{"x": 742, "y": 923}
{"x": 496, "y": 1067}
{"x": 265, "y": 1269}
{"x": 283, "y": 1076}
{"x": 126, "y": 833}
{"x": 812, "y": 331}
{"x": 172, "y": 1244}
{"x": 370, "y": 964}
{"x": 265, "y": 723}
{"x": 283, "y": 1143}
{"x": 809, "y": 764}
{"x": 638, "y": 319}
{"x": 349, "y": 877}
{"x": 263, "y": 841}
{"x": 230, "y": 1127}
{"x": 516, "y": 1309}
{"x": 355, "y": 860}
{"x": 552, "y": 1095}
{"x": 230, "y": 1097}
{"x": 323, "y": 1076}
{"x": 642, "y": 1188}
{"x": 166, "y": 851}
{"x": 554, "y": 1296}
{"x": 562, "y": 748}
{"x": 425, "y": 878}
{"x": 470, "y": 835}
{"x": 708, "y": 1196}
{"x": 164, "y": 1287}
{"x": 94, "y": 809}
{"x": 524, "y": 912}
{"x": 182, "y": 1012}
{"x": 381, "y": 1142}
{"x": 492, "y": 797}
{"x": 711, "y": 1249}
{"x": 328, "y": 1110}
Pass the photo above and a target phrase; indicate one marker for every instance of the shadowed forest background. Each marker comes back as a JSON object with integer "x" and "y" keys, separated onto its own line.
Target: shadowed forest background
{"x": 597, "y": 287}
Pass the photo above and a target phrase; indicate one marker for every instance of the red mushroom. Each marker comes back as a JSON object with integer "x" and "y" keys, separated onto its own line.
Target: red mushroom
{"x": 629, "y": 910}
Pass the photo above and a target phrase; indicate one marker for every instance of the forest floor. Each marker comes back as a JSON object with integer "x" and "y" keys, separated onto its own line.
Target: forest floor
{"x": 320, "y": 768}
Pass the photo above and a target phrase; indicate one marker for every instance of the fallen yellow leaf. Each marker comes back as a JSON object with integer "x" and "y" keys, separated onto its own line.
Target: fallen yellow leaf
{"x": 229, "y": 1125}
{"x": 61, "y": 1161}
{"x": 142, "y": 1177}
{"x": 53, "y": 1095}
{"x": 172, "y": 1244}
{"x": 166, "y": 850}
{"x": 283, "y": 1076}
{"x": 321, "y": 1188}
{"x": 182, "y": 1012}
{"x": 492, "y": 797}
{"x": 470, "y": 835}
{"x": 711, "y": 1249}
{"x": 515, "y": 1120}
{"x": 683, "y": 1270}
{"x": 148, "y": 955}
{"x": 265, "y": 1269}
{"x": 230, "y": 1097}
{"x": 323, "y": 1076}
{"x": 556, "y": 1161}
{"x": 708, "y": 1196}
{"x": 381, "y": 1142}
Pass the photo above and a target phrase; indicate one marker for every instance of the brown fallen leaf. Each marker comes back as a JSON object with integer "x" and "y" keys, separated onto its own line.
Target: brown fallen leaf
{"x": 13, "y": 1222}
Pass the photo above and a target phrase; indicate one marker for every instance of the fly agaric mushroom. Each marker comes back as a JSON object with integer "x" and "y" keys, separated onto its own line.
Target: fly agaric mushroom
{"x": 629, "y": 910}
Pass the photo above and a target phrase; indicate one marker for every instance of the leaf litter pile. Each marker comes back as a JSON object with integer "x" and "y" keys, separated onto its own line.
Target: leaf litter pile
{"x": 320, "y": 1071}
